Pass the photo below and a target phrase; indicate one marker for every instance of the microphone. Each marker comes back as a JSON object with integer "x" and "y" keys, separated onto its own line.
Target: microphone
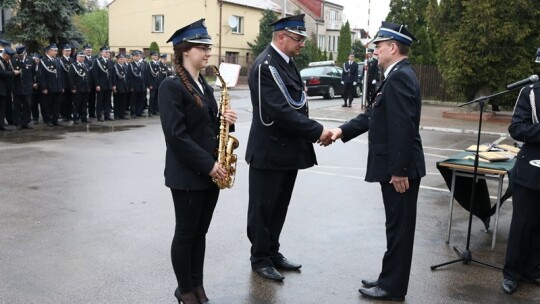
{"x": 517, "y": 84}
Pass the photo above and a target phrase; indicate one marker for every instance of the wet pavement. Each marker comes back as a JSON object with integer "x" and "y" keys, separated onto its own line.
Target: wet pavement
{"x": 85, "y": 218}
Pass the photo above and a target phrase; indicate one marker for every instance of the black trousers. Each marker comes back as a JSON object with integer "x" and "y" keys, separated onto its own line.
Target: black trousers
{"x": 80, "y": 108}
{"x": 193, "y": 211}
{"x": 120, "y": 105}
{"x": 103, "y": 103}
{"x": 66, "y": 107}
{"x": 523, "y": 249}
{"x": 92, "y": 103}
{"x": 50, "y": 106}
{"x": 3, "y": 101}
{"x": 400, "y": 211}
{"x": 21, "y": 109}
{"x": 36, "y": 104}
{"x": 270, "y": 192}
{"x": 348, "y": 92}
{"x": 137, "y": 103}
{"x": 153, "y": 107}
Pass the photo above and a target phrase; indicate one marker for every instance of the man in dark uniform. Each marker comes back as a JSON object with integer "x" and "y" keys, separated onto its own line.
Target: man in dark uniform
{"x": 280, "y": 143}
{"x": 373, "y": 75}
{"x": 349, "y": 79}
{"x": 152, "y": 82}
{"x": 79, "y": 86}
{"x": 102, "y": 80}
{"x": 6, "y": 82}
{"x": 166, "y": 70}
{"x": 65, "y": 62}
{"x": 51, "y": 84}
{"x": 23, "y": 88}
{"x": 523, "y": 250}
{"x": 89, "y": 62}
{"x": 396, "y": 161}
{"x": 36, "y": 98}
{"x": 120, "y": 87}
{"x": 136, "y": 85}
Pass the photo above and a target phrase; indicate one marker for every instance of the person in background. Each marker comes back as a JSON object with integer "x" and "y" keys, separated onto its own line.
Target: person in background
{"x": 79, "y": 87}
{"x": 190, "y": 120}
{"x": 349, "y": 79}
{"x": 120, "y": 87}
{"x": 395, "y": 157}
{"x": 7, "y": 73}
{"x": 522, "y": 260}
{"x": 23, "y": 88}
{"x": 102, "y": 80}
{"x": 51, "y": 84}
{"x": 152, "y": 82}
{"x": 36, "y": 98}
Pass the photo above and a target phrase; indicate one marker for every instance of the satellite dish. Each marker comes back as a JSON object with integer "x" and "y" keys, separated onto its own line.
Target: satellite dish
{"x": 233, "y": 21}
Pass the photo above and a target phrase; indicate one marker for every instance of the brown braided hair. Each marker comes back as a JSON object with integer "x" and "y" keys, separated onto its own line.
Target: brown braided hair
{"x": 178, "y": 60}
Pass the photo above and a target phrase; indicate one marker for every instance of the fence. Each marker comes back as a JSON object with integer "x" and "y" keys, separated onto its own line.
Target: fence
{"x": 431, "y": 81}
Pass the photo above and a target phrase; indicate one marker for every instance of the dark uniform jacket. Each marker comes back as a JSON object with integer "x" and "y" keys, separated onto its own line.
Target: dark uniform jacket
{"x": 89, "y": 61}
{"x": 350, "y": 72}
{"x": 152, "y": 74}
{"x": 393, "y": 120}
{"x": 65, "y": 63}
{"x": 287, "y": 143}
{"x": 136, "y": 77}
{"x": 191, "y": 134}
{"x": 119, "y": 78}
{"x": 527, "y": 130}
{"x": 50, "y": 75}
{"x": 78, "y": 78}
{"x": 101, "y": 73}
{"x": 23, "y": 83}
{"x": 6, "y": 78}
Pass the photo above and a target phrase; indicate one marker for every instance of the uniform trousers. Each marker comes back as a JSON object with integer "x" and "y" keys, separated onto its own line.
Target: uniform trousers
{"x": 67, "y": 105}
{"x": 36, "y": 104}
{"x": 400, "y": 211}
{"x": 50, "y": 107}
{"x": 523, "y": 249}
{"x": 21, "y": 109}
{"x": 193, "y": 211}
{"x": 153, "y": 107}
{"x": 103, "y": 103}
{"x": 3, "y": 100}
{"x": 80, "y": 100}
{"x": 137, "y": 103}
{"x": 92, "y": 104}
{"x": 348, "y": 92}
{"x": 270, "y": 192}
{"x": 120, "y": 105}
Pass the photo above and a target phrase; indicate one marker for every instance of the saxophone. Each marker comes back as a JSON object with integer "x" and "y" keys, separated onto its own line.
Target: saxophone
{"x": 227, "y": 143}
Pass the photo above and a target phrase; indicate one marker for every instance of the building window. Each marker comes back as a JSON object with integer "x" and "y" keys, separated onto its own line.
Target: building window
{"x": 157, "y": 23}
{"x": 333, "y": 19}
{"x": 231, "y": 57}
{"x": 237, "y": 24}
{"x": 320, "y": 43}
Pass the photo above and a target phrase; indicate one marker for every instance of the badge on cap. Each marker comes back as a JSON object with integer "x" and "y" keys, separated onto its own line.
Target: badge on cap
{"x": 294, "y": 24}
{"x": 393, "y": 31}
{"x": 194, "y": 33}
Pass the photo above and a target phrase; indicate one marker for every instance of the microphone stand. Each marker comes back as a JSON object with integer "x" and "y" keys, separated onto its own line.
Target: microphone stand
{"x": 465, "y": 256}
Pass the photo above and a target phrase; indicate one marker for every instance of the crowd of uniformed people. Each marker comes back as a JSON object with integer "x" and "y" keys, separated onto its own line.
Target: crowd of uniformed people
{"x": 65, "y": 85}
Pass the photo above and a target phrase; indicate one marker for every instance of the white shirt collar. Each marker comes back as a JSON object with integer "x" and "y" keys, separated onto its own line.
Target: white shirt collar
{"x": 285, "y": 57}
{"x": 387, "y": 71}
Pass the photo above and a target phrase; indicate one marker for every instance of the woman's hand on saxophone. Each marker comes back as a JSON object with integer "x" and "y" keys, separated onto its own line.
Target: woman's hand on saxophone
{"x": 218, "y": 171}
{"x": 230, "y": 116}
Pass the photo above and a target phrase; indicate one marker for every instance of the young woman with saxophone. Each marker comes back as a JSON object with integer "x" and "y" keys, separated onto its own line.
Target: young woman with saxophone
{"x": 190, "y": 121}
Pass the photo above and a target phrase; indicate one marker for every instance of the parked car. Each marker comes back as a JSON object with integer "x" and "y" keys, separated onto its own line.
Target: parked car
{"x": 323, "y": 78}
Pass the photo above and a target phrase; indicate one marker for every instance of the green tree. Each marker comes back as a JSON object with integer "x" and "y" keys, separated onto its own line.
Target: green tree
{"x": 95, "y": 27}
{"x": 413, "y": 14}
{"x": 359, "y": 50}
{"x": 330, "y": 56}
{"x": 154, "y": 47}
{"x": 485, "y": 44}
{"x": 39, "y": 22}
{"x": 344, "y": 43}
{"x": 265, "y": 33}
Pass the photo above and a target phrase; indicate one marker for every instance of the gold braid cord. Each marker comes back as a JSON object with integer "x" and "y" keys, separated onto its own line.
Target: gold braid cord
{"x": 227, "y": 143}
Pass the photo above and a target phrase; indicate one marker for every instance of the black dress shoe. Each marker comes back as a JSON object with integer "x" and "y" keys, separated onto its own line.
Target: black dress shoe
{"x": 379, "y": 294}
{"x": 509, "y": 286}
{"x": 27, "y": 127}
{"x": 350, "y": 105}
{"x": 531, "y": 280}
{"x": 284, "y": 264}
{"x": 344, "y": 105}
{"x": 369, "y": 284}
{"x": 19, "y": 127}
{"x": 185, "y": 298}
{"x": 2, "y": 128}
{"x": 50, "y": 124}
{"x": 269, "y": 273}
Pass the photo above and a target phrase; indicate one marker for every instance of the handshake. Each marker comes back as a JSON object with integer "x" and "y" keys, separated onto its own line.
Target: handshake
{"x": 328, "y": 136}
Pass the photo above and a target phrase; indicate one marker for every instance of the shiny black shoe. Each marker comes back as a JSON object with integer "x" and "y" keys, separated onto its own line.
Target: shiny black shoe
{"x": 269, "y": 273}
{"x": 531, "y": 280}
{"x": 379, "y": 294}
{"x": 201, "y": 294}
{"x": 369, "y": 284}
{"x": 284, "y": 264}
{"x": 344, "y": 105}
{"x": 509, "y": 286}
